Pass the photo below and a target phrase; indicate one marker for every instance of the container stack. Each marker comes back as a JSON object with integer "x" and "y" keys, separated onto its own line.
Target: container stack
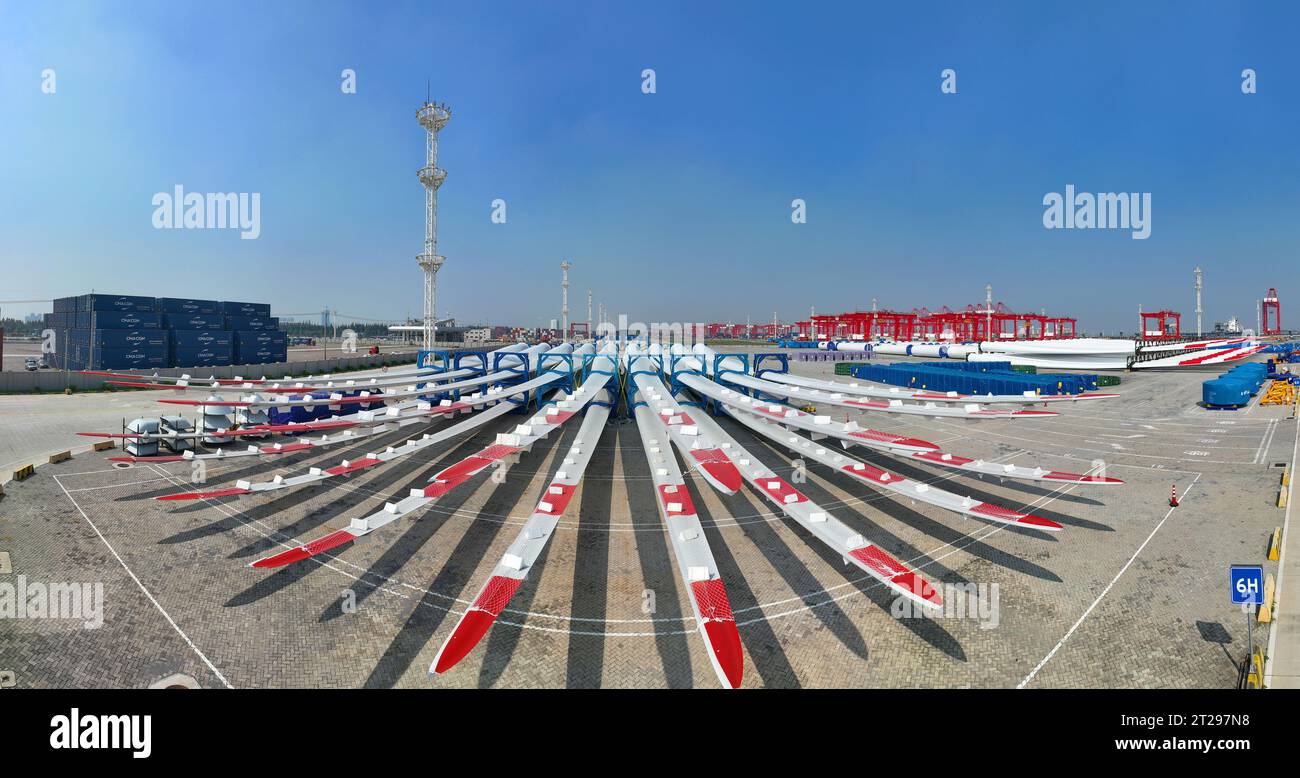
{"x": 199, "y": 335}
{"x": 255, "y": 333}
{"x": 127, "y": 332}
{"x": 973, "y": 378}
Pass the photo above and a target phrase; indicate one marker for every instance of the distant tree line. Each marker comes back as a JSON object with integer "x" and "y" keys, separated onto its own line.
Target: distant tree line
{"x": 20, "y": 327}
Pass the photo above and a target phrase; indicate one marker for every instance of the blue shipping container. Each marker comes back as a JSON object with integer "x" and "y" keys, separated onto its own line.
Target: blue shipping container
{"x": 118, "y": 320}
{"x": 260, "y": 355}
{"x": 123, "y": 358}
{"x": 252, "y": 323}
{"x": 245, "y": 309}
{"x": 207, "y": 356}
{"x": 194, "y": 321}
{"x": 201, "y": 338}
{"x": 259, "y": 338}
{"x": 116, "y": 302}
{"x": 125, "y": 339}
{"x": 181, "y": 305}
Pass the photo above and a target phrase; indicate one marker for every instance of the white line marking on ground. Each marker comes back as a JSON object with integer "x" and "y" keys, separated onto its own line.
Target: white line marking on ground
{"x": 1281, "y": 562}
{"x": 1261, "y": 456}
{"x": 147, "y": 593}
{"x": 115, "y": 486}
{"x": 1104, "y": 592}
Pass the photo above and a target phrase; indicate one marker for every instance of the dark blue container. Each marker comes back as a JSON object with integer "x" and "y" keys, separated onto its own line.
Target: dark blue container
{"x": 180, "y": 305}
{"x": 230, "y": 308}
{"x": 259, "y": 338}
{"x": 259, "y": 355}
{"x": 125, "y": 339}
{"x": 200, "y": 356}
{"x": 194, "y": 321}
{"x": 116, "y": 302}
{"x": 201, "y": 338}
{"x": 119, "y": 320}
{"x": 138, "y": 358}
{"x": 252, "y": 323}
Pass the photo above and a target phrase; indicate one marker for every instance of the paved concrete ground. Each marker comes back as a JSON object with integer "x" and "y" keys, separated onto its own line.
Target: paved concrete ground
{"x": 1131, "y": 593}
{"x": 33, "y": 426}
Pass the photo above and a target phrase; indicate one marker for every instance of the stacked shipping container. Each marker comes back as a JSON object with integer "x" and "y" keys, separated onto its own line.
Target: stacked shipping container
{"x": 117, "y": 332}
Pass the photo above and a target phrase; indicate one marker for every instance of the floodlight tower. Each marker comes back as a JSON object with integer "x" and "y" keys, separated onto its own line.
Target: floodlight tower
{"x": 432, "y": 117}
{"x": 988, "y": 311}
{"x": 588, "y": 313}
{"x": 1198, "y": 301}
{"x": 564, "y": 298}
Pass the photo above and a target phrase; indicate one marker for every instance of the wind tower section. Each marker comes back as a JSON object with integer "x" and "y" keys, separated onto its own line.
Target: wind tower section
{"x": 432, "y": 117}
{"x": 1270, "y": 314}
{"x": 1199, "y": 331}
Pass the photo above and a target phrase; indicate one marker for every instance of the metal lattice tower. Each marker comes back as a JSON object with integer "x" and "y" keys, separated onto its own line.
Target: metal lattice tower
{"x": 1198, "y": 301}
{"x": 564, "y": 304}
{"x": 432, "y": 117}
{"x": 588, "y": 313}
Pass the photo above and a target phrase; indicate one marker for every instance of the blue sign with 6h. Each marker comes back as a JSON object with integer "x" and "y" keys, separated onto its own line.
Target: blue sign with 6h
{"x": 1247, "y": 584}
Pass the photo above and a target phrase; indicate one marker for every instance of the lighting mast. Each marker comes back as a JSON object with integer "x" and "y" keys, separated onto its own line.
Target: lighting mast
{"x": 564, "y": 305}
{"x": 432, "y": 117}
{"x": 1198, "y": 301}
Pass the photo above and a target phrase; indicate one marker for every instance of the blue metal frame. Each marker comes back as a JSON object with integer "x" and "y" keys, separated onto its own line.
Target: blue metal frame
{"x": 521, "y": 373}
{"x": 442, "y": 362}
{"x": 483, "y": 360}
{"x": 442, "y": 359}
{"x": 719, "y": 376}
{"x": 675, "y": 386}
{"x": 781, "y": 357}
{"x": 612, "y": 380}
{"x": 630, "y": 390}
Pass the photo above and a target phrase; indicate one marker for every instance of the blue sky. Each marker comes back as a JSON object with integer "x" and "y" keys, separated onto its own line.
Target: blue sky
{"x": 673, "y": 206}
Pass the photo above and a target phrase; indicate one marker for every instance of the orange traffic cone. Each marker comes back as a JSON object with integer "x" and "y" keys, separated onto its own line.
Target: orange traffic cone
{"x": 1173, "y": 496}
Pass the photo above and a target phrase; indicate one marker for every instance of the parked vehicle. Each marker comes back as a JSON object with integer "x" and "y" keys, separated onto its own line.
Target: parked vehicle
{"x": 31, "y": 363}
